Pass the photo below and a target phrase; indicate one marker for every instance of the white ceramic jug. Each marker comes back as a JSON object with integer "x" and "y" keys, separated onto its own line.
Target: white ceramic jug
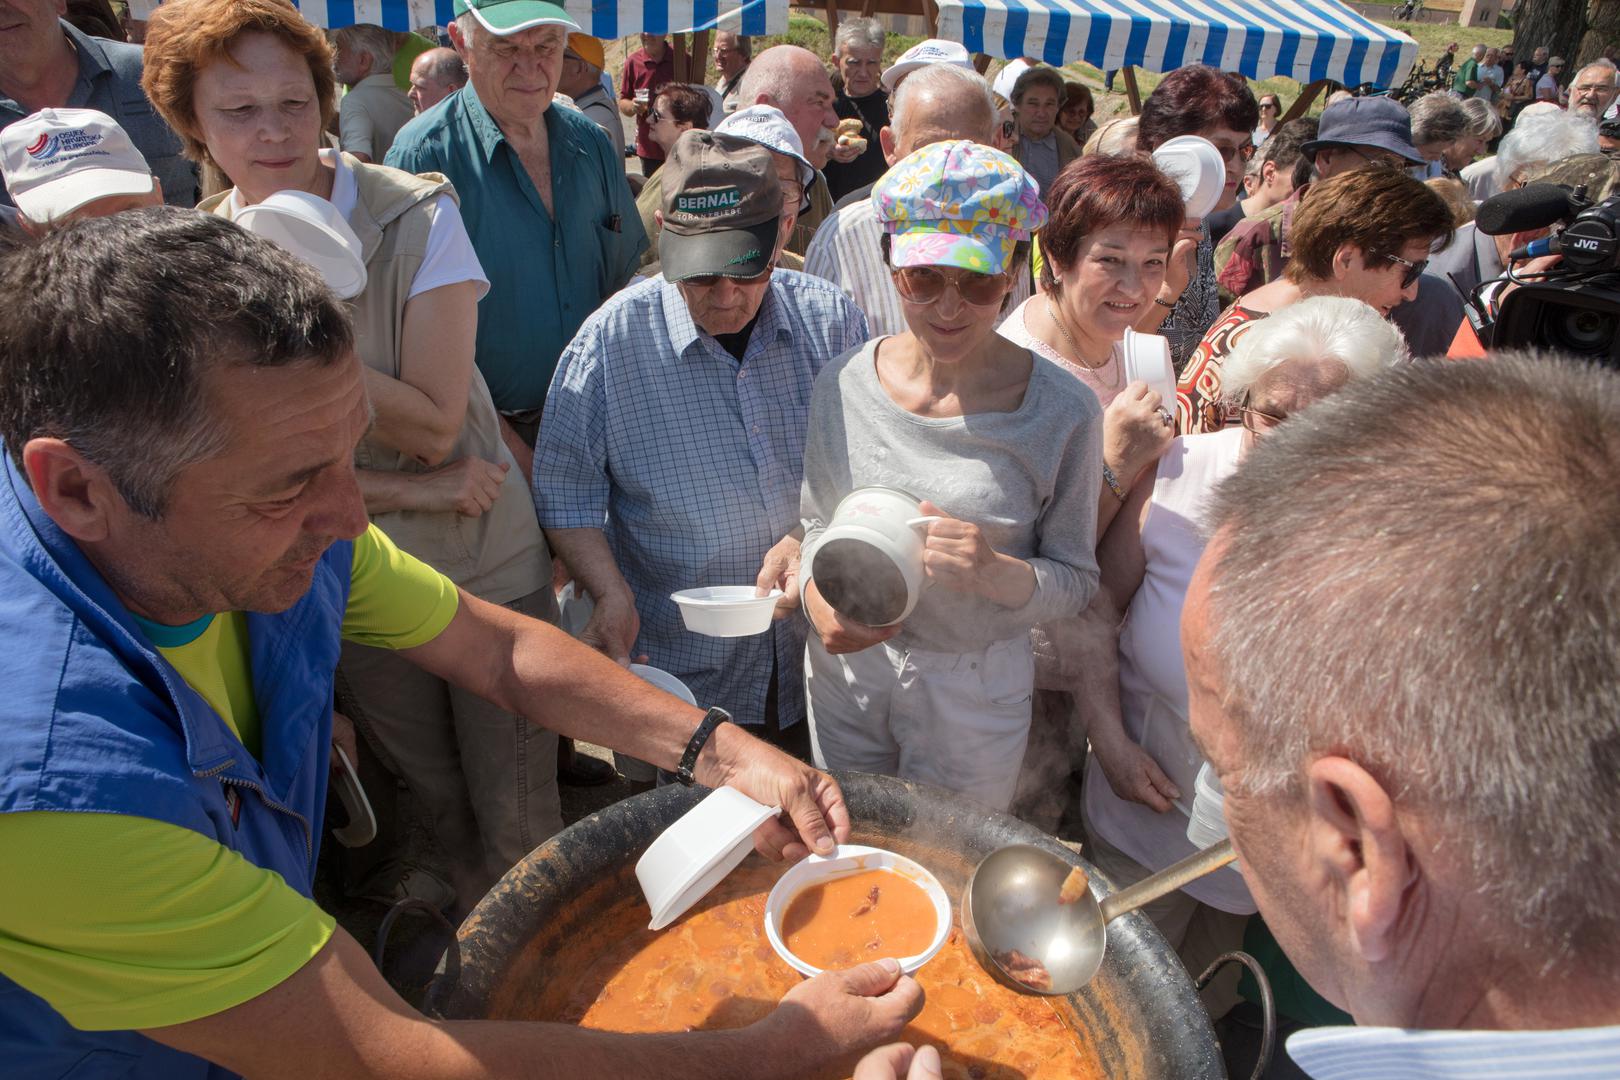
{"x": 868, "y": 563}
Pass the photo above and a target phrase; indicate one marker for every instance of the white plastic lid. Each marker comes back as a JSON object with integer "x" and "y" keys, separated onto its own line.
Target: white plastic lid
{"x": 696, "y": 853}
{"x": 1198, "y": 169}
{"x": 311, "y": 228}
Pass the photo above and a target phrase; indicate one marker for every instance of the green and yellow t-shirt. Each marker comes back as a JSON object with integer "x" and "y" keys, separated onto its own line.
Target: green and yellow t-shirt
{"x": 126, "y": 922}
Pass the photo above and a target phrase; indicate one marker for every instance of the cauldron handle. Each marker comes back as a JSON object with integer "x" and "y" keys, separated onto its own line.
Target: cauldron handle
{"x": 1268, "y": 1008}
{"x": 452, "y": 965}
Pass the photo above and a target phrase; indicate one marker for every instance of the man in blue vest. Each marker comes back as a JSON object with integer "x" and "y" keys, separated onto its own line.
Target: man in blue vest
{"x": 182, "y": 548}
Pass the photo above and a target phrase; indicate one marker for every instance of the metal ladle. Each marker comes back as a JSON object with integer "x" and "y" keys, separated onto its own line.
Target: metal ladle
{"x": 1011, "y": 903}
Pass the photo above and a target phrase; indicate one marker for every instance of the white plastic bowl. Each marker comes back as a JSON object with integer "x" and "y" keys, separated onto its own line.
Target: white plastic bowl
{"x": 695, "y": 854}
{"x": 666, "y": 682}
{"x": 1198, "y": 169}
{"x": 726, "y": 610}
{"x": 851, "y": 859}
{"x": 311, "y": 228}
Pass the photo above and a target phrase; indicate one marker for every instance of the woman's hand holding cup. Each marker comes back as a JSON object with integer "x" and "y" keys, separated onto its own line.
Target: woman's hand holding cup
{"x": 1135, "y": 433}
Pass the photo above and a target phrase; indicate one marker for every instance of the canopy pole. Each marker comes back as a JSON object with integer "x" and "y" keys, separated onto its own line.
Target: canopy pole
{"x": 678, "y": 43}
{"x": 832, "y": 20}
{"x": 931, "y": 15}
{"x": 1303, "y": 103}
{"x": 698, "y": 63}
{"x": 867, "y": 8}
{"x": 981, "y": 62}
{"x": 1132, "y": 93}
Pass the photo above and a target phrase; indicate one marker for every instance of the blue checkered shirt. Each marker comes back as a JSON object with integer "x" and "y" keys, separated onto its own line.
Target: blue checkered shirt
{"x": 691, "y": 462}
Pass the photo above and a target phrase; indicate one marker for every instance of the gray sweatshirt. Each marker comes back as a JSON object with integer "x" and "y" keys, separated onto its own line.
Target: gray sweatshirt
{"x": 1029, "y": 479}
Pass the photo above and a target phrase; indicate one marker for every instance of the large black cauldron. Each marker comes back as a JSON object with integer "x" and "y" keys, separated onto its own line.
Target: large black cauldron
{"x": 1140, "y": 1016}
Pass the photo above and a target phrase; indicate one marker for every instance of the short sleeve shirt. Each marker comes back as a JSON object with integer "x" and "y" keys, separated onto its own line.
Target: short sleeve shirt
{"x": 546, "y": 274}
{"x": 110, "y": 82}
{"x": 124, "y": 922}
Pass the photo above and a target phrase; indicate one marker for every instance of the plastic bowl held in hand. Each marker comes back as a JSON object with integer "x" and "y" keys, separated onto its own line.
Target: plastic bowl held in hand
{"x": 666, "y": 682}
{"x": 311, "y": 228}
{"x": 1198, "y": 169}
{"x": 695, "y": 854}
{"x": 726, "y": 610}
{"x": 852, "y": 859}
{"x": 868, "y": 562}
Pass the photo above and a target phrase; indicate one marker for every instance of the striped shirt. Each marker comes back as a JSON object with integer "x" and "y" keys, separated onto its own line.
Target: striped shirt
{"x": 691, "y": 462}
{"x": 1360, "y": 1053}
{"x": 847, "y": 251}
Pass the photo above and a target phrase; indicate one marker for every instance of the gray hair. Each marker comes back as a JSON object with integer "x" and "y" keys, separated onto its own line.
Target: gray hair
{"x": 776, "y": 74}
{"x": 1382, "y": 590}
{"x": 1483, "y": 121}
{"x": 1437, "y": 117}
{"x": 1480, "y": 50}
{"x": 741, "y": 42}
{"x": 371, "y": 39}
{"x": 1553, "y": 137}
{"x": 1334, "y": 328}
{"x": 1602, "y": 63}
{"x": 939, "y": 84}
{"x": 1115, "y": 136}
{"x": 126, "y": 388}
{"x": 859, "y": 33}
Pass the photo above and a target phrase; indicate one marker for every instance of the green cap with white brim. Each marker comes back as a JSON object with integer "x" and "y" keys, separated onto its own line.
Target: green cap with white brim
{"x": 506, "y": 17}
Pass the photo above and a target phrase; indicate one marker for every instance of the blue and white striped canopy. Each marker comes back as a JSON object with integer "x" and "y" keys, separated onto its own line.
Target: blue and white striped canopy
{"x": 605, "y": 19}
{"x": 1305, "y": 40}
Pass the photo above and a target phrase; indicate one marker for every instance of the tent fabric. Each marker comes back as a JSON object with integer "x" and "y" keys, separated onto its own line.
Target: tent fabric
{"x": 599, "y": 18}
{"x": 1305, "y": 40}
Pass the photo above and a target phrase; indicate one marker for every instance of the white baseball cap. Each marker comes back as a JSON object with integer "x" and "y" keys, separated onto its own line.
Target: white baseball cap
{"x": 57, "y": 160}
{"x": 932, "y": 51}
{"x": 766, "y": 125}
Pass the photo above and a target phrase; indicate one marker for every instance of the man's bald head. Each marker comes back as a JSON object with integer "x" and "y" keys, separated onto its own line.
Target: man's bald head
{"x": 795, "y": 81}
{"x": 435, "y": 75}
{"x": 938, "y": 103}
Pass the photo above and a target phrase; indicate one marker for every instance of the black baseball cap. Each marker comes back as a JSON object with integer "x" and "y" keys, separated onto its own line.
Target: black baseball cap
{"x": 722, "y": 207}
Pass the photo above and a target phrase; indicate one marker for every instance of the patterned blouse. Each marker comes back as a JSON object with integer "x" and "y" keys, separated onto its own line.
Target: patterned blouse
{"x": 1198, "y": 390}
{"x": 1197, "y": 309}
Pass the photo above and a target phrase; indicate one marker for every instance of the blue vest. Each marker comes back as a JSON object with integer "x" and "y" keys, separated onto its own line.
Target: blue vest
{"x": 94, "y": 719}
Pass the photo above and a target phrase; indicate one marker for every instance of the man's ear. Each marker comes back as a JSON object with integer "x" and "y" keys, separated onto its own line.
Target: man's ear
{"x": 77, "y": 494}
{"x": 1356, "y": 840}
{"x": 888, "y": 142}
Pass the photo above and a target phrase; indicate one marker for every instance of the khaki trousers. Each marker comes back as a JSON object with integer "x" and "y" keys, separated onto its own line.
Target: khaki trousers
{"x": 486, "y": 780}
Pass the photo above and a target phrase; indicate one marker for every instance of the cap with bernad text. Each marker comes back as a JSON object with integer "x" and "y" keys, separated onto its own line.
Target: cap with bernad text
{"x": 722, "y": 207}
{"x": 505, "y": 17}
{"x": 57, "y": 160}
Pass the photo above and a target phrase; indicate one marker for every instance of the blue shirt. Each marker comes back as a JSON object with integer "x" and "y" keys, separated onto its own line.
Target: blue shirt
{"x": 1355, "y": 1053}
{"x": 545, "y": 276}
{"x": 110, "y": 81}
{"x": 691, "y": 462}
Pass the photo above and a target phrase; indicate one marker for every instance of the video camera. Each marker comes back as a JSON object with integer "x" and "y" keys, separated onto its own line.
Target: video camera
{"x": 1573, "y": 308}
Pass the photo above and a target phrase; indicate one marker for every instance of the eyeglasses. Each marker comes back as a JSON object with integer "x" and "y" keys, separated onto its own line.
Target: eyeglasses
{"x": 1008, "y": 127}
{"x": 1258, "y": 421}
{"x": 1268, "y": 104}
{"x": 1232, "y": 154}
{"x": 1412, "y": 272}
{"x": 926, "y": 284}
{"x": 653, "y": 115}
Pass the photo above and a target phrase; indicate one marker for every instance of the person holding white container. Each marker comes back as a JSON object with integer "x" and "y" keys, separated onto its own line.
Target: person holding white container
{"x": 1002, "y": 452}
{"x": 1146, "y": 804}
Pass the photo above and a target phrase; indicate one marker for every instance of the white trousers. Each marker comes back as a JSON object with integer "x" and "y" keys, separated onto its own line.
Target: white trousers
{"x": 956, "y": 720}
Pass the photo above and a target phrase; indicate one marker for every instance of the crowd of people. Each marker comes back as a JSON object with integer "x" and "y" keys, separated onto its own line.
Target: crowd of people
{"x": 279, "y": 500}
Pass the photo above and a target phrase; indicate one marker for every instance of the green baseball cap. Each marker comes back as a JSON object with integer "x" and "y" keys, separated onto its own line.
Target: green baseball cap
{"x": 722, "y": 204}
{"x": 504, "y": 17}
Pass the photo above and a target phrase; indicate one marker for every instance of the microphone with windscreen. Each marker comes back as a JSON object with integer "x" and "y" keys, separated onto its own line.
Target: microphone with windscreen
{"x": 1534, "y": 206}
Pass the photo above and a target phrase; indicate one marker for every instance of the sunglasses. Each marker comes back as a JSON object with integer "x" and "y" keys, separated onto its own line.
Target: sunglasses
{"x": 1268, "y": 104}
{"x": 653, "y": 116}
{"x": 926, "y": 284}
{"x": 1230, "y": 154}
{"x": 1008, "y": 127}
{"x": 1412, "y": 272}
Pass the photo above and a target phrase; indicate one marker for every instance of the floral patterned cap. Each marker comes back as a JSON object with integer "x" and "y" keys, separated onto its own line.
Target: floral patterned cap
{"x": 958, "y": 204}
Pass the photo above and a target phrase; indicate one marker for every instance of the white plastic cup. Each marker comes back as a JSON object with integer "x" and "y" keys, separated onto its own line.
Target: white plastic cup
{"x": 1206, "y": 825}
{"x": 852, "y": 859}
{"x": 886, "y": 525}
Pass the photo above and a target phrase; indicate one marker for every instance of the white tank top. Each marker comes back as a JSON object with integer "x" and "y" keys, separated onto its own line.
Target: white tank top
{"x": 1152, "y": 680}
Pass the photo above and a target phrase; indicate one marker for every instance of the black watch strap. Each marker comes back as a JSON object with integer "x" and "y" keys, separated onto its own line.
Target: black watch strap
{"x": 713, "y": 719}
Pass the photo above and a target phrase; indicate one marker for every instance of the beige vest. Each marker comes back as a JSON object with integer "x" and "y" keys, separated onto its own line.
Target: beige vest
{"x": 501, "y": 555}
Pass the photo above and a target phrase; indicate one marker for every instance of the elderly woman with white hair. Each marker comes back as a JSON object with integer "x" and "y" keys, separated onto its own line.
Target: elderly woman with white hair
{"x": 1142, "y": 776}
{"x": 1544, "y": 133}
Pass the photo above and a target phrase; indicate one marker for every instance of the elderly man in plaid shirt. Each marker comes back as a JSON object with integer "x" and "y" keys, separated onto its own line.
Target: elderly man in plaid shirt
{"x": 671, "y": 449}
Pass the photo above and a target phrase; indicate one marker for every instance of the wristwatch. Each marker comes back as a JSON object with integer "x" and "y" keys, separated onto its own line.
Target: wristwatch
{"x": 711, "y": 720}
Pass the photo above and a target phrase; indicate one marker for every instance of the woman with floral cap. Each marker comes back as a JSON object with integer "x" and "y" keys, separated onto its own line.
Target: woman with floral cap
{"x": 1005, "y": 448}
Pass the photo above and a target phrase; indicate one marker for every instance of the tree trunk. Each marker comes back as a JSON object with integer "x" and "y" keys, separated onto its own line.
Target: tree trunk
{"x": 1602, "y": 32}
{"x": 1557, "y": 24}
